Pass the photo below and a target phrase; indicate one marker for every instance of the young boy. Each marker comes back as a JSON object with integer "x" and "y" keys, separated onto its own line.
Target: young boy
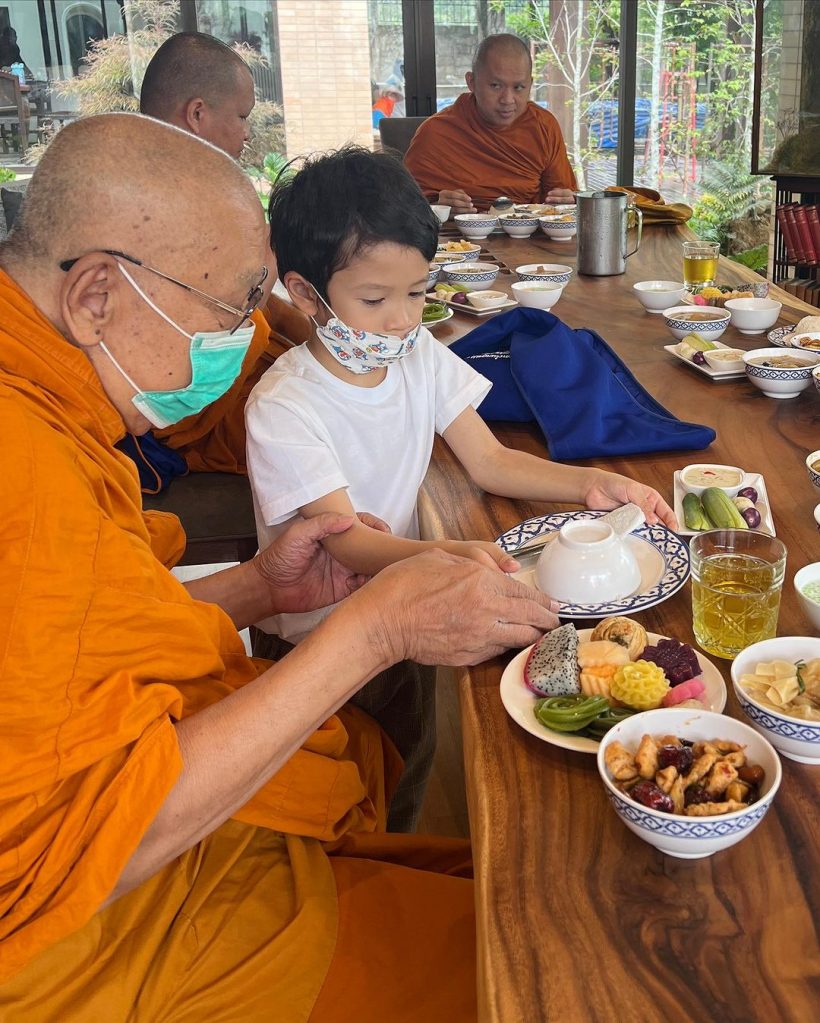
{"x": 346, "y": 422}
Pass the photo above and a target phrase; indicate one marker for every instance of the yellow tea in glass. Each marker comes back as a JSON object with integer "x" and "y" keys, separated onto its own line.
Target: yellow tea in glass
{"x": 737, "y": 576}
{"x": 700, "y": 263}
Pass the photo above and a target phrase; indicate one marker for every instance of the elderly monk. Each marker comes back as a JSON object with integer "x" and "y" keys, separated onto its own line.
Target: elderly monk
{"x": 492, "y": 141}
{"x": 186, "y": 833}
{"x": 199, "y": 84}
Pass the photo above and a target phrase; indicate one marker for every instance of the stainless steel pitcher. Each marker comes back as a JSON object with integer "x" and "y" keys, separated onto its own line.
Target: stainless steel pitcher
{"x": 603, "y": 224}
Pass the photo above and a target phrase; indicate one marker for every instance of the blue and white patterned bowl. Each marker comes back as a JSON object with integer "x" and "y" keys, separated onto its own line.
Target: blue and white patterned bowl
{"x": 812, "y": 460}
{"x": 555, "y": 273}
{"x": 557, "y": 229}
{"x": 690, "y": 838}
{"x": 794, "y": 737}
{"x": 780, "y": 381}
{"x": 678, "y": 320}
{"x": 475, "y": 225}
{"x": 432, "y": 275}
{"x": 815, "y": 374}
{"x": 519, "y": 227}
{"x": 472, "y": 276}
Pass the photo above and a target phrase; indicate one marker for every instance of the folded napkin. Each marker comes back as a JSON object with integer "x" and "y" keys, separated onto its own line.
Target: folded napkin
{"x": 574, "y": 386}
{"x": 654, "y": 208}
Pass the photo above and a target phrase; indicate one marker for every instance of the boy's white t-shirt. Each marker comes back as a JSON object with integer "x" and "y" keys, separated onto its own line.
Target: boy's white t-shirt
{"x": 310, "y": 433}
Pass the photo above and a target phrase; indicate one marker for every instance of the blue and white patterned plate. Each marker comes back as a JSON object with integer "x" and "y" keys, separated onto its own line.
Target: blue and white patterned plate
{"x": 780, "y": 336}
{"x": 662, "y": 556}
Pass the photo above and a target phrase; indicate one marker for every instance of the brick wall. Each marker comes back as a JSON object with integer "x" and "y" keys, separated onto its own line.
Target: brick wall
{"x": 325, "y": 63}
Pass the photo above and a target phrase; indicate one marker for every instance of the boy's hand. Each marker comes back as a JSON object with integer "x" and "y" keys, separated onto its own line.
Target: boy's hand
{"x": 484, "y": 553}
{"x": 609, "y": 490}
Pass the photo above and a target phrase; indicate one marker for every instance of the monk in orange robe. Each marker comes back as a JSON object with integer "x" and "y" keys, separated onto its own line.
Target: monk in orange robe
{"x": 187, "y": 833}
{"x": 492, "y": 141}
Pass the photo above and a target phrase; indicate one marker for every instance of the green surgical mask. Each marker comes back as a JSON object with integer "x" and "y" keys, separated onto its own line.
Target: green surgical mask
{"x": 216, "y": 359}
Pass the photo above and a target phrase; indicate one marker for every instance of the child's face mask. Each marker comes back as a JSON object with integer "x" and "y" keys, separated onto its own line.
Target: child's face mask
{"x": 362, "y": 351}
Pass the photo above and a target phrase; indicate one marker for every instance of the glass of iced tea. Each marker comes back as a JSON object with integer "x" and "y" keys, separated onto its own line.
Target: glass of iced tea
{"x": 700, "y": 263}
{"x": 737, "y": 576}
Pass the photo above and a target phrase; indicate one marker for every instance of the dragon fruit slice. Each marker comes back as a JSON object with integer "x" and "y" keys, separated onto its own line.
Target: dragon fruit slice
{"x": 552, "y": 667}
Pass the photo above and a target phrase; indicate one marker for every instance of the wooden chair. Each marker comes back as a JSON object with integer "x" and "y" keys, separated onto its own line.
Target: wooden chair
{"x": 14, "y": 112}
{"x": 397, "y": 132}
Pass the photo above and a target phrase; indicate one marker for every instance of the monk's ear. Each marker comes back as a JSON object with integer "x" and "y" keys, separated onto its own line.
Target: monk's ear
{"x": 88, "y": 297}
{"x": 469, "y": 78}
{"x": 302, "y": 294}
{"x": 194, "y": 115}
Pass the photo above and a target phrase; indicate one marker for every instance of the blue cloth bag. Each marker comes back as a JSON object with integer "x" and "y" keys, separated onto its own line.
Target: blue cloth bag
{"x": 574, "y": 386}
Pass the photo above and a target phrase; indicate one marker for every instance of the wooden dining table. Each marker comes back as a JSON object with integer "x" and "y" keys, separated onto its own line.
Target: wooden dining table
{"x": 578, "y": 919}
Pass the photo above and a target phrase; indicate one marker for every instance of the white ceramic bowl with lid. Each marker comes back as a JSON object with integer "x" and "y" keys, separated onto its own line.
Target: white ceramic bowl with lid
{"x": 686, "y": 837}
{"x": 587, "y": 564}
{"x": 656, "y": 296}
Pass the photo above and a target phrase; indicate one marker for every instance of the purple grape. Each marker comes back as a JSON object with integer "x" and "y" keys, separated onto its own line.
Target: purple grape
{"x": 749, "y": 492}
{"x": 695, "y": 794}
{"x": 752, "y": 516}
{"x": 680, "y": 757}
{"x": 459, "y": 297}
{"x": 699, "y": 359}
{"x": 648, "y": 794}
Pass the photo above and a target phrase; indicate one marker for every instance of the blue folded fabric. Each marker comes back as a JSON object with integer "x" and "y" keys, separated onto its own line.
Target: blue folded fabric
{"x": 574, "y": 386}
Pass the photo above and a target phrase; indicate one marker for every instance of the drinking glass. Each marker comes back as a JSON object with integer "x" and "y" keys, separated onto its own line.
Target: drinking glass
{"x": 700, "y": 263}
{"x": 737, "y": 576}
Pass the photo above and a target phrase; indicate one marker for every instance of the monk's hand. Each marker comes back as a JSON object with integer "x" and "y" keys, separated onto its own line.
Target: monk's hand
{"x": 297, "y": 571}
{"x": 560, "y": 196}
{"x": 457, "y": 200}
{"x": 610, "y": 490}
{"x": 438, "y": 608}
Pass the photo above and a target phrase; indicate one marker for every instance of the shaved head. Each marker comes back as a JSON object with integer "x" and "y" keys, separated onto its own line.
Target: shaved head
{"x": 201, "y": 85}
{"x": 126, "y": 182}
{"x": 505, "y": 46}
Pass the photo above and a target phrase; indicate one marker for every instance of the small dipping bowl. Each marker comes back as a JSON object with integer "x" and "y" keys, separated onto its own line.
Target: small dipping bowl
{"x": 693, "y": 476}
{"x": 554, "y": 273}
{"x": 678, "y": 320}
{"x": 475, "y": 225}
{"x": 780, "y": 381}
{"x": 518, "y": 227}
{"x": 487, "y": 299}
{"x": 724, "y": 359}
{"x": 587, "y": 564}
{"x": 753, "y": 315}
{"x": 442, "y": 212}
{"x": 813, "y": 460}
{"x": 793, "y": 737}
{"x": 809, "y": 576}
{"x": 655, "y": 296}
{"x": 472, "y": 276}
{"x": 557, "y": 228}
{"x": 536, "y": 295}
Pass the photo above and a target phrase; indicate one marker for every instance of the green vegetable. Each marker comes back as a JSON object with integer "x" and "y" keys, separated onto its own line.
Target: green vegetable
{"x": 699, "y": 343}
{"x": 570, "y": 713}
{"x": 693, "y": 513}
{"x": 598, "y": 728}
{"x": 720, "y": 510}
{"x": 433, "y": 311}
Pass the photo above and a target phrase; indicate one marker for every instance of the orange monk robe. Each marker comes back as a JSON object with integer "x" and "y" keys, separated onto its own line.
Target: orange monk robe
{"x": 101, "y": 650}
{"x": 456, "y": 149}
{"x": 214, "y": 439}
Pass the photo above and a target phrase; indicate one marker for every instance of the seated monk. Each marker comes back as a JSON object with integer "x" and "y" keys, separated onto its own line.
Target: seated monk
{"x": 492, "y": 141}
{"x": 187, "y": 833}
{"x": 199, "y": 84}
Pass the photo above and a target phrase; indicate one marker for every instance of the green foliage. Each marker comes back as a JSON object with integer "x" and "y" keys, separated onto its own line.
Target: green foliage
{"x": 730, "y": 195}
{"x": 7, "y": 175}
{"x": 756, "y": 259}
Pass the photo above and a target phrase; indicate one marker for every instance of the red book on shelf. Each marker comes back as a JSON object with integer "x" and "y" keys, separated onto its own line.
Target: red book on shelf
{"x": 806, "y": 242}
{"x": 813, "y": 217}
{"x": 797, "y": 246}
{"x": 787, "y": 233}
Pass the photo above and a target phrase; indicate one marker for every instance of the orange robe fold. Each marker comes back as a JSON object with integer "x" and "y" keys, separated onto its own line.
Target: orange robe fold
{"x": 101, "y": 650}
{"x": 456, "y": 149}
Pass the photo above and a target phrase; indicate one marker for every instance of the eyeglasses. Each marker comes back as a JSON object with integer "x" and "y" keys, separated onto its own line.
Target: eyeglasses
{"x": 251, "y": 302}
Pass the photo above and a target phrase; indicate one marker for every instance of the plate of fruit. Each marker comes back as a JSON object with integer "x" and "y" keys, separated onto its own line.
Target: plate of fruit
{"x": 573, "y": 685}
{"x": 711, "y": 358}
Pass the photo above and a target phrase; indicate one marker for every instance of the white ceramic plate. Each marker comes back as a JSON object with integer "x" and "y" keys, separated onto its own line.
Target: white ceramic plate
{"x": 448, "y": 313}
{"x": 470, "y": 310}
{"x": 519, "y": 701}
{"x": 751, "y": 479}
{"x": 706, "y": 370}
{"x": 662, "y": 557}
